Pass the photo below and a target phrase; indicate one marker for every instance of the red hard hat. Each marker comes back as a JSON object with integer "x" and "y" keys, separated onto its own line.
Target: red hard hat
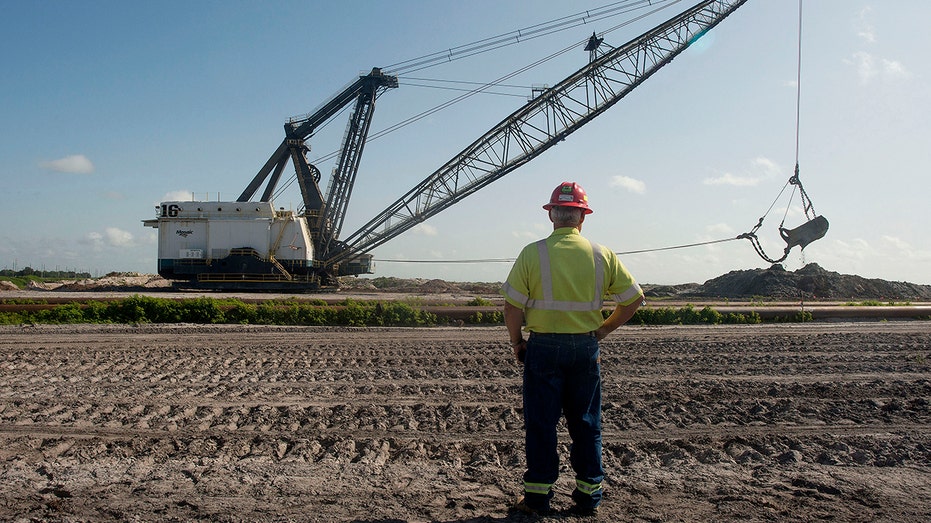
{"x": 569, "y": 194}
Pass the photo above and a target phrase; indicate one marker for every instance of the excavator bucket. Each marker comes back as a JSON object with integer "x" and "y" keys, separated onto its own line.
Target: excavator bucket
{"x": 805, "y": 233}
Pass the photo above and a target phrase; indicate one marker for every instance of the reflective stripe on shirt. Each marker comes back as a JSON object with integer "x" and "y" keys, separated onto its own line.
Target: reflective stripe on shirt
{"x": 570, "y": 305}
{"x": 546, "y": 280}
{"x": 631, "y": 293}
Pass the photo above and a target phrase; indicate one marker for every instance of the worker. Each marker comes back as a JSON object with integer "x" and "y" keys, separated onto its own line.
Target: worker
{"x": 555, "y": 291}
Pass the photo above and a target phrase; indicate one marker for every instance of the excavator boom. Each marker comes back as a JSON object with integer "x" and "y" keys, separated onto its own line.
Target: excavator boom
{"x": 299, "y": 129}
{"x": 539, "y": 125}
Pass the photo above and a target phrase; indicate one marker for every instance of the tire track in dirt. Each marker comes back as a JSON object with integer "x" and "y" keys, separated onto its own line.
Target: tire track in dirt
{"x": 266, "y": 423}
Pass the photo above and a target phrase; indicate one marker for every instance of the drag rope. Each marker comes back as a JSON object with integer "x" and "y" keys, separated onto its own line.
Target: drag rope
{"x": 512, "y": 260}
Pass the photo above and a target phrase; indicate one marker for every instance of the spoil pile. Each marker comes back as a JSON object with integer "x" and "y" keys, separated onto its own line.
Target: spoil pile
{"x": 109, "y": 283}
{"x": 417, "y": 286}
{"x": 141, "y": 282}
{"x": 809, "y": 282}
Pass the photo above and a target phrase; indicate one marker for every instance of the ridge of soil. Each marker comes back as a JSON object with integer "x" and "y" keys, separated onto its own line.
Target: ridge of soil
{"x": 787, "y": 422}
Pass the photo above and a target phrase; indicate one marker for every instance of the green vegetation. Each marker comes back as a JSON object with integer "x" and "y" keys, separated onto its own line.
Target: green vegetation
{"x": 349, "y": 312}
{"x": 21, "y": 278}
{"x": 145, "y": 309}
{"x": 799, "y": 317}
{"x": 478, "y": 301}
{"x": 689, "y": 316}
{"x": 29, "y": 271}
{"x": 490, "y": 318}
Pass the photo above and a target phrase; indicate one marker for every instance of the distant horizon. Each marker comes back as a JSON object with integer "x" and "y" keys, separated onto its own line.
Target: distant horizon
{"x": 374, "y": 276}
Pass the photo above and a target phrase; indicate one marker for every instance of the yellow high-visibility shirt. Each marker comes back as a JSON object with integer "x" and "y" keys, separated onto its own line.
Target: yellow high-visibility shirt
{"x": 555, "y": 281}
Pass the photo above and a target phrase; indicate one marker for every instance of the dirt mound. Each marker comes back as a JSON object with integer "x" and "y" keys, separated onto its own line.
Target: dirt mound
{"x": 809, "y": 282}
{"x": 110, "y": 283}
{"x": 418, "y": 286}
{"x": 668, "y": 291}
{"x": 116, "y": 283}
{"x": 42, "y": 286}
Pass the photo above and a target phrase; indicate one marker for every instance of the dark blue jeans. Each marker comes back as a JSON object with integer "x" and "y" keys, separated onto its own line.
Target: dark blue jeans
{"x": 562, "y": 375}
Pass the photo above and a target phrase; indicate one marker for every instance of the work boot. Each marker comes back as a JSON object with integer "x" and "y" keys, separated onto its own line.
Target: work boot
{"x": 522, "y": 506}
{"x": 583, "y": 511}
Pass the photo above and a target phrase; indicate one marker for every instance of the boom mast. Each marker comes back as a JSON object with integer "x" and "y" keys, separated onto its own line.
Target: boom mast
{"x": 325, "y": 216}
{"x": 542, "y": 123}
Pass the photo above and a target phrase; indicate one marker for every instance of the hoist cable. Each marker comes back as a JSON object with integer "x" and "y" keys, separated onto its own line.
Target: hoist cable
{"x": 462, "y": 89}
{"x": 487, "y": 260}
{"x": 794, "y": 180}
{"x": 518, "y": 36}
{"x": 511, "y": 260}
{"x": 699, "y": 244}
{"x": 807, "y": 204}
{"x": 472, "y": 92}
{"x": 468, "y": 94}
{"x": 483, "y": 87}
{"x": 798, "y": 87}
{"x": 463, "y": 82}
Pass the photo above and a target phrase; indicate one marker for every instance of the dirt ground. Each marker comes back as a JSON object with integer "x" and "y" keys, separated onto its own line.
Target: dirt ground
{"x": 802, "y": 422}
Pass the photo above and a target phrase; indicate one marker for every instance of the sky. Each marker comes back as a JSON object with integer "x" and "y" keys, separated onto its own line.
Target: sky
{"x": 108, "y": 108}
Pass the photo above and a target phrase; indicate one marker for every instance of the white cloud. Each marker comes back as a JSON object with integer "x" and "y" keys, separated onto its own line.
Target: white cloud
{"x": 630, "y": 184}
{"x": 424, "y": 229}
{"x": 719, "y": 229}
{"x": 525, "y": 235}
{"x": 94, "y": 238}
{"x": 118, "y": 237}
{"x": 864, "y": 64}
{"x": 761, "y": 169}
{"x": 177, "y": 196}
{"x": 74, "y": 164}
{"x": 900, "y": 249}
{"x": 111, "y": 237}
{"x": 856, "y": 249}
{"x": 894, "y": 70}
{"x": 870, "y": 67}
{"x": 730, "y": 179}
{"x": 864, "y": 28}
{"x": 769, "y": 167}
{"x": 898, "y": 243}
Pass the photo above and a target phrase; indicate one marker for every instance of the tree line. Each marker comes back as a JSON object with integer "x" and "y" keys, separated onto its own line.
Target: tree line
{"x": 27, "y": 271}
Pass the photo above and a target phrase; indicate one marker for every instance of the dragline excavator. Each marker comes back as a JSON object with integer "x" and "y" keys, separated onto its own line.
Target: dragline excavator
{"x": 248, "y": 244}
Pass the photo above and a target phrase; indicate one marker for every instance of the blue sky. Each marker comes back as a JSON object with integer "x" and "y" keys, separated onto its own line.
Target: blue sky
{"x": 110, "y": 107}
